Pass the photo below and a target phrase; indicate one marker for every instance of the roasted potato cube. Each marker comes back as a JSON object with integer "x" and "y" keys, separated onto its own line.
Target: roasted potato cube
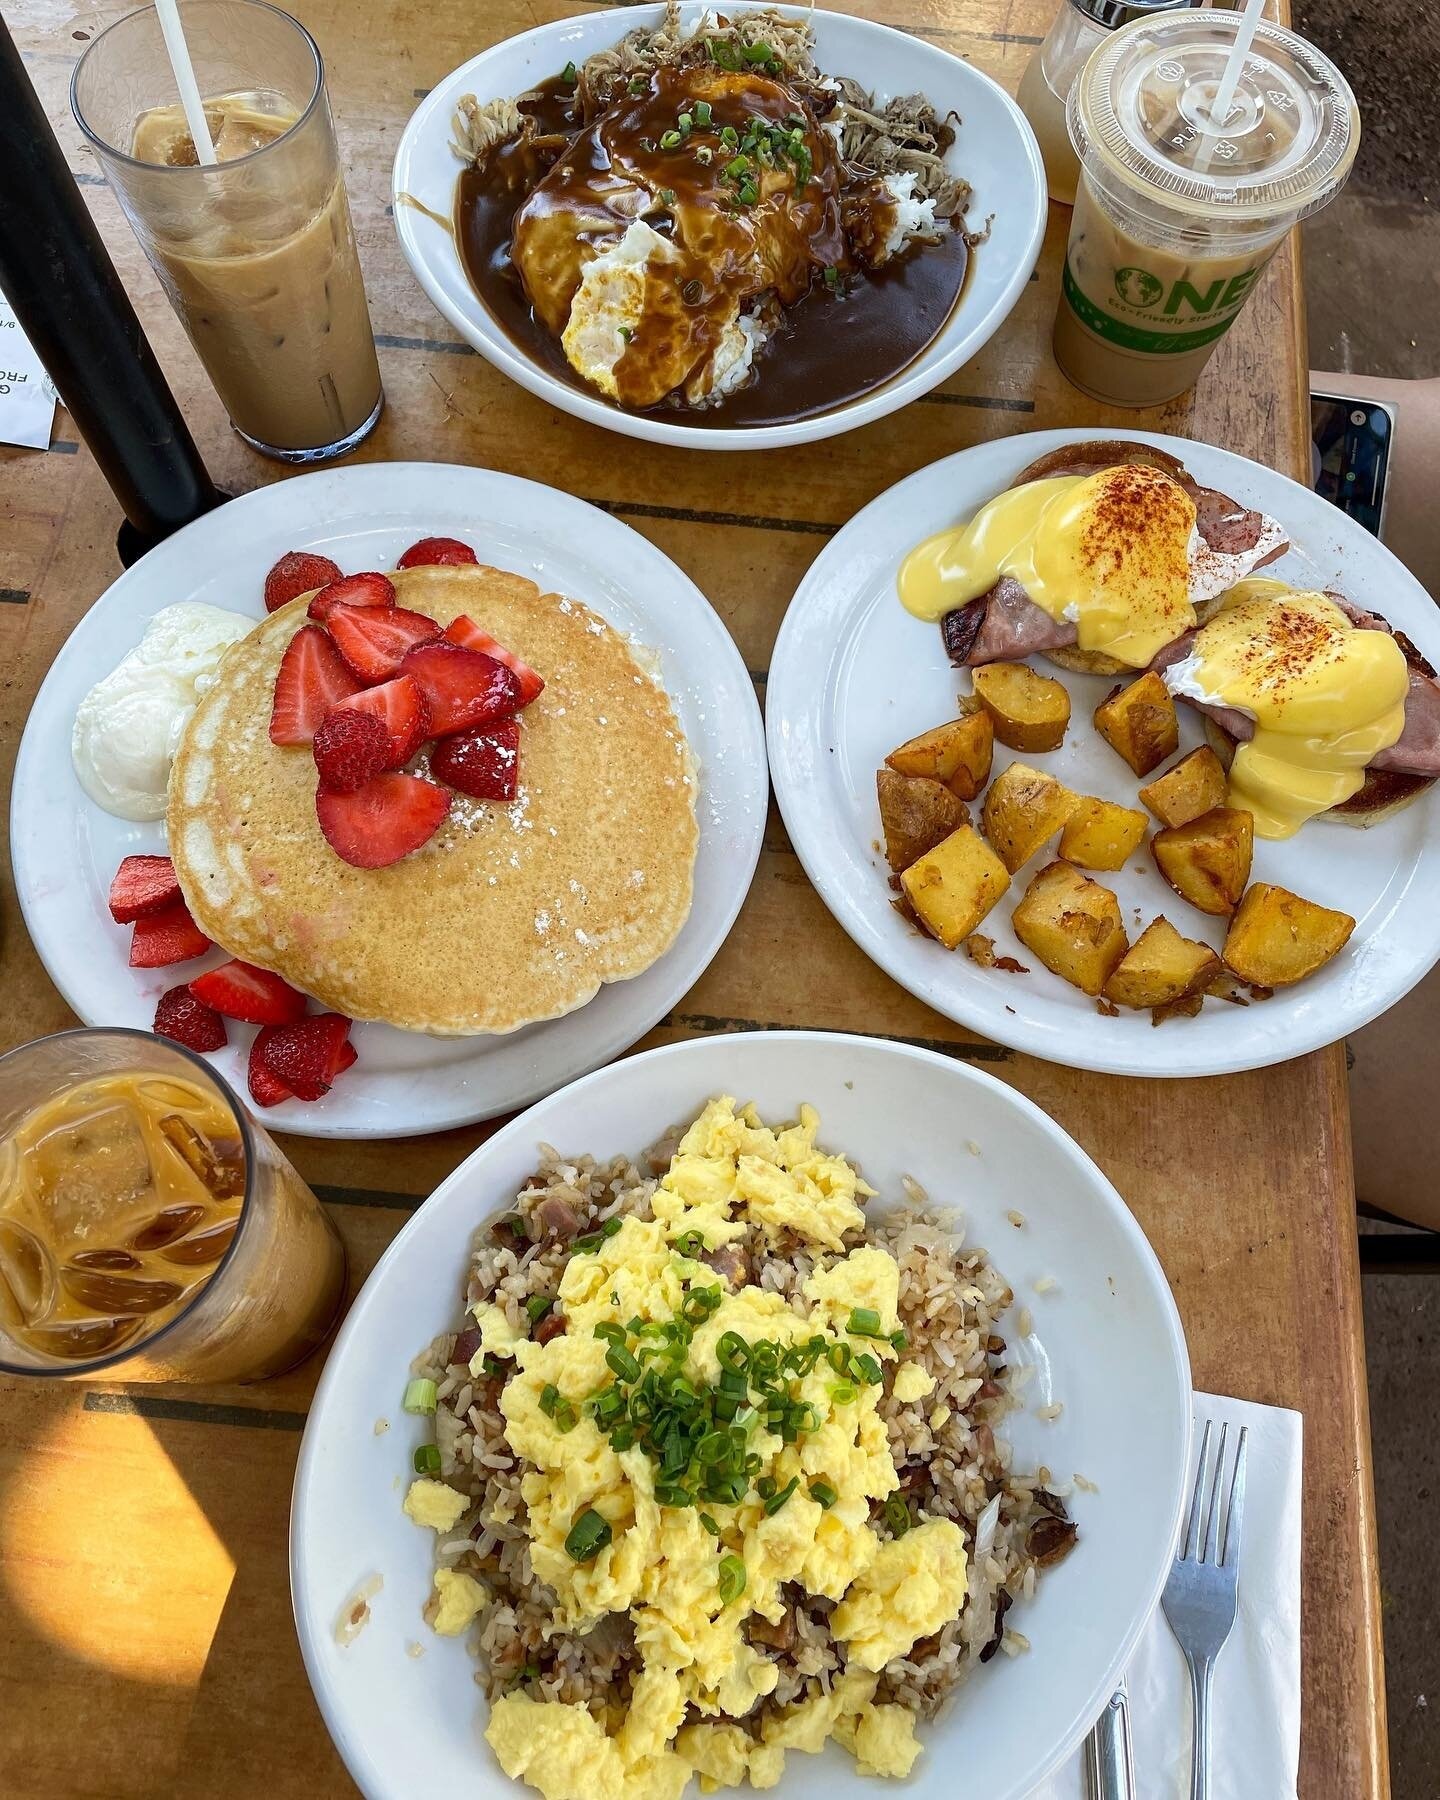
{"x": 1195, "y": 785}
{"x": 1276, "y": 937}
{"x": 1024, "y": 807}
{"x": 1161, "y": 967}
{"x": 953, "y": 886}
{"x": 1207, "y": 862}
{"x": 1099, "y": 834}
{"x": 915, "y": 814}
{"x": 957, "y": 753}
{"x": 1073, "y": 925}
{"x": 1138, "y": 722}
{"x": 1029, "y": 711}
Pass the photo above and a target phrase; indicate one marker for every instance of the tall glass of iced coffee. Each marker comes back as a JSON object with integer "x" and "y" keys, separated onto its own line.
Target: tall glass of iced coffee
{"x": 256, "y": 251}
{"x": 148, "y": 1226}
{"x": 1178, "y": 211}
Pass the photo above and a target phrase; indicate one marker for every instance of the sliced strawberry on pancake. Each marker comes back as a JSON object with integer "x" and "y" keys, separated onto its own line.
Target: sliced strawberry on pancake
{"x": 374, "y": 639}
{"x": 142, "y": 884}
{"x": 435, "y": 552}
{"x": 295, "y": 574}
{"x": 483, "y": 763}
{"x": 462, "y": 688}
{"x": 401, "y": 708}
{"x": 466, "y": 632}
{"x": 382, "y": 821}
{"x": 312, "y": 679}
{"x": 369, "y": 589}
{"x": 351, "y": 748}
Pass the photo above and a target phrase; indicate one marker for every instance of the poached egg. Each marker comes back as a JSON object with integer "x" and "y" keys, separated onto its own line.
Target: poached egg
{"x": 1326, "y": 698}
{"x": 1117, "y": 553}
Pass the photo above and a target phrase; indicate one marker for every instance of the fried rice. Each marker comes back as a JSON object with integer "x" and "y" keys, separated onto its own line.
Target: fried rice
{"x": 949, "y": 1450}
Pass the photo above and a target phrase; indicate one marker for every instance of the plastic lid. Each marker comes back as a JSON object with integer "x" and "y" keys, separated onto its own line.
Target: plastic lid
{"x": 1112, "y": 14}
{"x": 1141, "y": 106}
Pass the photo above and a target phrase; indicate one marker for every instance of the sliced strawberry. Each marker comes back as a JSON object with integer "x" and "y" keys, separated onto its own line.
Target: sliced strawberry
{"x": 382, "y": 821}
{"x": 266, "y": 1088}
{"x": 462, "y": 688}
{"x": 370, "y": 589}
{"x": 162, "y": 938}
{"x": 350, "y": 748}
{"x": 142, "y": 884}
{"x": 347, "y": 1057}
{"x": 483, "y": 763}
{"x": 374, "y": 639}
{"x": 296, "y": 573}
{"x": 308, "y": 1055}
{"x": 241, "y": 991}
{"x": 466, "y": 632}
{"x": 311, "y": 680}
{"x": 437, "y": 550}
{"x": 180, "y": 1015}
{"x": 401, "y": 708}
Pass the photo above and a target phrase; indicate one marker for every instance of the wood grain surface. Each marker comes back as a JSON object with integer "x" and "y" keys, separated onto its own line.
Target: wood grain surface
{"x": 146, "y": 1642}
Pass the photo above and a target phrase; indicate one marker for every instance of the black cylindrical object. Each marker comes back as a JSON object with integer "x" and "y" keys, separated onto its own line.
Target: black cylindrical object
{"x": 57, "y": 275}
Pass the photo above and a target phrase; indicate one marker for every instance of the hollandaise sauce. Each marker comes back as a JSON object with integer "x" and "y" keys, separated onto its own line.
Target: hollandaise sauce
{"x": 1326, "y": 698}
{"x": 1110, "y": 552}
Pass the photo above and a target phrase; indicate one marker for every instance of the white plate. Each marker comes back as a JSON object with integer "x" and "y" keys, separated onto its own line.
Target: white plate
{"x": 995, "y": 150}
{"x": 853, "y": 675}
{"x": 65, "y": 850}
{"x": 1107, "y": 1343}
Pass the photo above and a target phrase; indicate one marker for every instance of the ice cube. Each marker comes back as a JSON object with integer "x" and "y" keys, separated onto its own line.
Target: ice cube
{"x": 165, "y": 1227}
{"x": 83, "y": 1338}
{"x": 219, "y": 1164}
{"x": 118, "y": 1293}
{"x": 205, "y": 1247}
{"x": 27, "y": 1276}
{"x": 89, "y": 1171}
{"x": 115, "y": 1261}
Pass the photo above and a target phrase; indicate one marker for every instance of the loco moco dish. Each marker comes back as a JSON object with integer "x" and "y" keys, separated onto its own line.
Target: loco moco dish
{"x": 1109, "y": 558}
{"x": 438, "y": 798}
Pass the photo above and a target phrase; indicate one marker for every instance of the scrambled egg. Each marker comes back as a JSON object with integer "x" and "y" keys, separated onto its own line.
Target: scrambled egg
{"x": 671, "y": 1567}
{"x": 460, "y": 1597}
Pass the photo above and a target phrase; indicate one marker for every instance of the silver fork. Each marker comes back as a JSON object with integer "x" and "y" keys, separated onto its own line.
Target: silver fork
{"x": 1200, "y": 1596}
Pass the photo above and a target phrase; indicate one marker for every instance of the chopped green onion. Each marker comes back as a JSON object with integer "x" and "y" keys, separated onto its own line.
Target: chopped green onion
{"x": 639, "y": 85}
{"x": 594, "y": 1239}
{"x": 611, "y": 1332}
{"x": 690, "y": 1243}
{"x": 427, "y": 1459}
{"x": 704, "y": 154}
{"x": 736, "y": 167}
{"x": 824, "y": 1493}
{"x": 622, "y": 1438}
{"x": 759, "y": 53}
{"x": 868, "y": 1369}
{"x": 777, "y": 1500}
{"x": 667, "y": 196}
{"x": 765, "y": 1486}
{"x": 569, "y": 74}
{"x": 419, "y": 1395}
{"x": 726, "y": 55}
{"x": 709, "y": 1524}
{"x": 730, "y": 1579}
{"x": 832, "y": 277}
{"x": 843, "y": 1394}
{"x": 622, "y": 1362}
{"x": 537, "y": 1306}
{"x": 702, "y": 112}
{"x": 839, "y": 1357}
{"x": 729, "y": 136}
{"x": 900, "y": 1340}
{"x": 669, "y": 140}
{"x": 686, "y": 122}
{"x": 733, "y": 1353}
{"x": 627, "y": 333}
{"x": 670, "y": 1493}
{"x": 897, "y": 1515}
{"x": 864, "y": 1322}
{"x": 588, "y": 1536}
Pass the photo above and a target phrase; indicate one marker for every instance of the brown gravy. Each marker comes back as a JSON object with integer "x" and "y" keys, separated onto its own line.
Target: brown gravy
{"x": 833, "y": 346}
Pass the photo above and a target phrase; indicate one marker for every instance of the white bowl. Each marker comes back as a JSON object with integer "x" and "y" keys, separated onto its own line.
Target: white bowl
{"x": 995, "y": 150}
{"x": 1107, "y": 1342}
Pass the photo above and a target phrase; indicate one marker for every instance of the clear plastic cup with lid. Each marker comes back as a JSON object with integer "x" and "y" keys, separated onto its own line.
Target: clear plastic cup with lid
{"x": 1178, "y": 212}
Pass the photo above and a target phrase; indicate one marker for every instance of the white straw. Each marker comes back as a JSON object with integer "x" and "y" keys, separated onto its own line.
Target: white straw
{"x": 179, "y": 50}
{"x": 1230, "y": 77}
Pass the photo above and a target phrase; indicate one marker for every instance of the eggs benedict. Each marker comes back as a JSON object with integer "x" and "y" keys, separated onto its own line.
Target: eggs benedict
{"x": 1316, "y": 707}
{"x": 1098, "y": 556}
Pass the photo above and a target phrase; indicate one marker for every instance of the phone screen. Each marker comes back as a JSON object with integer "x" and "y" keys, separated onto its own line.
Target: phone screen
{"x": 1351, "y": 440}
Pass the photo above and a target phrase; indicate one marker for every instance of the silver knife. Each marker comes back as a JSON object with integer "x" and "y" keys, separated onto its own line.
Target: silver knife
{"x": 1109, "y": 1753}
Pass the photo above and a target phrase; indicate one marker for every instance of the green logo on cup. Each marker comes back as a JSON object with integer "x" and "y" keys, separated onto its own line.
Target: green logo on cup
{"x": 1138, "y": 286}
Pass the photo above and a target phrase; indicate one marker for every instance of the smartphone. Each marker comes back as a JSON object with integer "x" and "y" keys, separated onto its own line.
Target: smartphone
{"x": 1350, "y": 454}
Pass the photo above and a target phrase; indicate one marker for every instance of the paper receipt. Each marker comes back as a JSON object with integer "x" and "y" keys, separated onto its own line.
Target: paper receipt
{"x": 27, "y": 394}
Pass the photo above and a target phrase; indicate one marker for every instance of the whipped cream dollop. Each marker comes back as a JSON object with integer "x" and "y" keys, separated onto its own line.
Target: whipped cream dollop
{"x": 128, "y": 727}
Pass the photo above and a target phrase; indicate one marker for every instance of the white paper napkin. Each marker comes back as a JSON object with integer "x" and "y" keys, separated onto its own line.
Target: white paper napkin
{"x": 27, "y": 395}
{"x": 1255, "y": 1701}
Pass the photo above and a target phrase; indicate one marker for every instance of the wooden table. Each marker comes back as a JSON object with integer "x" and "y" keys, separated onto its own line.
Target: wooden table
{"x": 146, "y": 1643}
